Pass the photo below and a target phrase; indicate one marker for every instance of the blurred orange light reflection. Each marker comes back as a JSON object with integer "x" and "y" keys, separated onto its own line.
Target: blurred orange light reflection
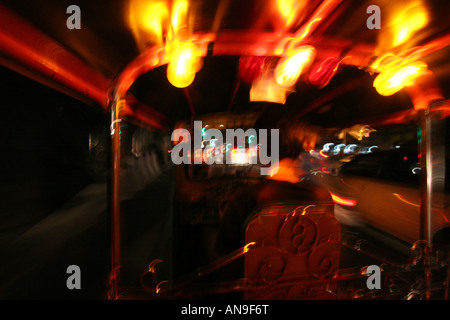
{"x": 179, "y": 13}
{"x": 265, "y": 88}
{"x": 403, "y": 20}
{"x": 289, "y": 68}
{"x": 147, "y": 20}
{"x": 342, "y": 201}
{"x": 408, "y": 21}
{"x": 396, "y": 78}
{"x": 289, "y": 10}
{"x": 403, "y": 199}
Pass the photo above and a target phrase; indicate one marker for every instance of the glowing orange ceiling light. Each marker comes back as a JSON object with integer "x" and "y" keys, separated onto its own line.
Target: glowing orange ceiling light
{"x": 179, "y": 14}
{"x": 183, "y": 55}
{"x": 402, "y": 21}
{"x": 147, "y": 20}
{"x": 289, "y": 10}
{"x": 285, "y": 8}
{"x": 290, "y": 67}
{"x": 185, "y": 61}
{"x": 154, "y": 16}
{"x": 392, "y": 80}
{"x": 408, "y": 21}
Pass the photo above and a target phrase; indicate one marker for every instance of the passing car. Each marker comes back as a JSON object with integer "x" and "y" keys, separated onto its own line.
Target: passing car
{"x": 382, "y": 190}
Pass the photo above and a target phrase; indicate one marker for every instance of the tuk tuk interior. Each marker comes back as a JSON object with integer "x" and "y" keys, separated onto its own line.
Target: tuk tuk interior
{"x": 364, "y": 88}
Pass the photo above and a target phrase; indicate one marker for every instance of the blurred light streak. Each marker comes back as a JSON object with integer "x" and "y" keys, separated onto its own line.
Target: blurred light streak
{"x": 408, "y": 21}
{"x": 251, "y": 68}
{"x": 323, "y": 154}
{"x": 325, "y": 9}
{"x": 185, "y": 61}
{"x": 147, "y": 20}
{"x": 432, "y": 46}
{"x": 403, "y": 20}
{"x": 289, "y": 68}
{"x": 324, "y": 71}
{"x": 376, "y": 65}
{"x": 304, "y": 33}
{"x": 425, "y": 91}
{"x": 350, "y": 149}
{"x": 343, "y": 201}
{"x": 396, "y": 73}
{"x": 222, "y": 8}
{"x": 289, "y": 10}
{"x": 179, "y": 14}
{"x": 274, "y": 171}
{"x": 285, "y": 8}
{"x": 265, "y": 88}
{"x": 248, "y": 246}
{"x": 402, "y": 198}
{"x": 30, "y": 52}
{"x": 395, "y": 77}
{"x": 287, "y": 46}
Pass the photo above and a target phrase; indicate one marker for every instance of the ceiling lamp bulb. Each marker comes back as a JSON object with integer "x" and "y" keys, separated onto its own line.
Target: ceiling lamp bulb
{"x": 392, "y": 80}
{"x": 185, "y": 61}
{"x": 290, "y": 67}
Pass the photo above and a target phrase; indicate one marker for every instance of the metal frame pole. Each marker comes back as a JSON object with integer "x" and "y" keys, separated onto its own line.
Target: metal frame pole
{"x": 114, "y": 279}
{"x": 432, "y": 151}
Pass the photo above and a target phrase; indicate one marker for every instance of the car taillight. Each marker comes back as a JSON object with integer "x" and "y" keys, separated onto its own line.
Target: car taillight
{"x": 343, "y": 201}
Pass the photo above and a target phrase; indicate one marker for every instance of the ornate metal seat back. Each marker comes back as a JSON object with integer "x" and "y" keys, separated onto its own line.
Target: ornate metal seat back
{"x": 295, "y": 251}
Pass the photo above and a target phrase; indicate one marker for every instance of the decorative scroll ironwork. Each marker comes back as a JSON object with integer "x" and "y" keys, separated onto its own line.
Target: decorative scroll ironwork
{"x": 305, "y": 243}
{"x": 294, "y": 253}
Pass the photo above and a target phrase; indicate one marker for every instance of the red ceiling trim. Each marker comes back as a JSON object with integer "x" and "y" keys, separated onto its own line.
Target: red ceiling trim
{"x": 24, "y": 47}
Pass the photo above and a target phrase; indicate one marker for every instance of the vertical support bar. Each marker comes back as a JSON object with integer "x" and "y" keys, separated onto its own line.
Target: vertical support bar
{"x": 432, "y": 160}
{"x": 116, "y": 112}
{"x": 427, "y": 98}
{"x": 432, "y": 151}
{"x": 425, "y": 182}
{"x": 426, "y": 196}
